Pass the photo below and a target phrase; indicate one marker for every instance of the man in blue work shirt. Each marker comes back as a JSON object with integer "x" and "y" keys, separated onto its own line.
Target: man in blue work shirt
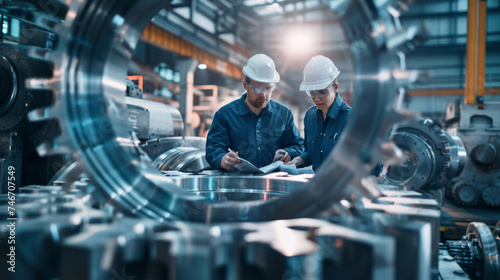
{"x": 254, "y": 127}
{"x": 323, "y": 122}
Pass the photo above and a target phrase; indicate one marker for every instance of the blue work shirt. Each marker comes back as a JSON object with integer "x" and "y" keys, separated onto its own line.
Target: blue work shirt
{"x": 321, "y": 136}
{"x": 255, "y": 138}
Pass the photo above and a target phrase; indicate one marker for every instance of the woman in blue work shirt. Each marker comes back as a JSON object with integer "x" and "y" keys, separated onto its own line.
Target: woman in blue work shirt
{"x": 324, "y": 121}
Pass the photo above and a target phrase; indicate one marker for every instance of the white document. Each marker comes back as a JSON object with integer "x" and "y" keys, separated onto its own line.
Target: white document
{"x": 248, "y": 168}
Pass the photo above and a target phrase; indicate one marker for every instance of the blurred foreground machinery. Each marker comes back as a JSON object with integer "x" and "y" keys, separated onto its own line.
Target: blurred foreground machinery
{"x": 19, "y": 137}
{"x": 127, "y": 220}
{"x": 61, "y": 235}
{"x": 479, "y": 129}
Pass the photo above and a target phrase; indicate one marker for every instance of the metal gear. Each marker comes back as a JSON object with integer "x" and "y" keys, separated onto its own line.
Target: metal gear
{"x": 461, "y": 252}
{"x": 16, "y": 99}
{"x": 433, "y": 157}
{"x": 436, "y": 138}
{"x": 491, "y": 196}
{"x": 464, "y": 194}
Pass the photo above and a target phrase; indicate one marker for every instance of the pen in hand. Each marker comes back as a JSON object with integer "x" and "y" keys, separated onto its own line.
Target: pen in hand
{"x": 231, "y": 151}
{"x": 229, "y": 160}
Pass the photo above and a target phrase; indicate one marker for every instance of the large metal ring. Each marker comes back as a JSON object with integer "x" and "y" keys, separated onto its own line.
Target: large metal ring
{"x": 96, "y": 42}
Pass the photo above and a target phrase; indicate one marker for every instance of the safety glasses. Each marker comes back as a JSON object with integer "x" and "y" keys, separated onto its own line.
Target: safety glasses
{"x": 261, "y": 90}
{"x": 321, "y": 92}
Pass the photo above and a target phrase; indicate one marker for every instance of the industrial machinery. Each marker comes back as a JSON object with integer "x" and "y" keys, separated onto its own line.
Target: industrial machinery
{"x": 432, "y": 157}
{"x": 19, "y": 137}
{"x": 479, "y": 130}
{"x": 151, "y": 119}
{"x": 126, "y": 220}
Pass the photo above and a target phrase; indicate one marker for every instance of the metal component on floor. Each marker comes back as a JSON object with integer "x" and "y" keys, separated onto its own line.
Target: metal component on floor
{"x": 448, "y": 268}
{"x": 477, "y": 253}
{"x": 377, "y": 241}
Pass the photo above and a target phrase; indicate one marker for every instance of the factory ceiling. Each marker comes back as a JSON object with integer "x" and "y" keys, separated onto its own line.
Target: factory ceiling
{"x": 292, "y": 31}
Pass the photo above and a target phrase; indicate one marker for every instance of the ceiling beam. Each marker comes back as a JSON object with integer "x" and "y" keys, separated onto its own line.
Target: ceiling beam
{"x": 448, "y": 14}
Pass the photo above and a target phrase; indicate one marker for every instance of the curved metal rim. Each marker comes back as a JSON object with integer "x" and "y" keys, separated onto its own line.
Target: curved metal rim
{"x": 488, "y": 246}
{"x": 141, "y": 189}
{"x": 458, "y": 154}
{"x": 421, "y": 175}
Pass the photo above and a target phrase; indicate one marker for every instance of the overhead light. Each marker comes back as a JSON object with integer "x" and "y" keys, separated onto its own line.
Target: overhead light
{"x": 298, "y": 43}
{"x": 202, "y": 66}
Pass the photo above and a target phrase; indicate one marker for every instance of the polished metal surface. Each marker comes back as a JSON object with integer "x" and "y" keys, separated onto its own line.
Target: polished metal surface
{"x": 155, "y": 147}
{"x": 185, "y": 159}
{"x": 238, "y": 188}
{"x": 458, "y": 155}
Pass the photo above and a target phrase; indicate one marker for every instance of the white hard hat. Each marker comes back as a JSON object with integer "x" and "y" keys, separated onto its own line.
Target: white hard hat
{"x": 319, "y": 73}
{"x": 261, "y": 68}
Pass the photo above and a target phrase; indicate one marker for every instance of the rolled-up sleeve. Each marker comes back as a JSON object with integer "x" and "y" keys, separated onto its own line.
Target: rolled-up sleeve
{"x": 217, "y": 141}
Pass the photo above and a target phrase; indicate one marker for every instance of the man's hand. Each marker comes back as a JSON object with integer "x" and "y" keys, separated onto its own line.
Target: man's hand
{"x": 298, "y": 161}
{"x": 281, "y": 155}
{"x": 229, "y": 160}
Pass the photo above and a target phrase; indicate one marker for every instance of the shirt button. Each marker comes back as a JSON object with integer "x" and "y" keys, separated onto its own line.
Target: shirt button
{"x": 258, "y": 131}
{"x": 321, "y": 150}
{"x": 258, "y": 148}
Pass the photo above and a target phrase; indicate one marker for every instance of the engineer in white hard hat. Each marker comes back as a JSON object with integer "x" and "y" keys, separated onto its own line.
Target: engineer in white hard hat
{"x": 254, "y": 127}
{"x": 323, "y": 122}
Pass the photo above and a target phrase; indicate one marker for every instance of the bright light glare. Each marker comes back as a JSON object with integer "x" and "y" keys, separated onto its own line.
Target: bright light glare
{"x": 202, "y": 66}
{"x": 298, "y": 43}
{"x": 384, "y": 76}
{"x": 393, "y": 11}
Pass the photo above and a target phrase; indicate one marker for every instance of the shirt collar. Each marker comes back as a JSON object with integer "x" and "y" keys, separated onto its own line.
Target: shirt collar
{"x": 335, "y": 109}
{"x": 243, "y": 107}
